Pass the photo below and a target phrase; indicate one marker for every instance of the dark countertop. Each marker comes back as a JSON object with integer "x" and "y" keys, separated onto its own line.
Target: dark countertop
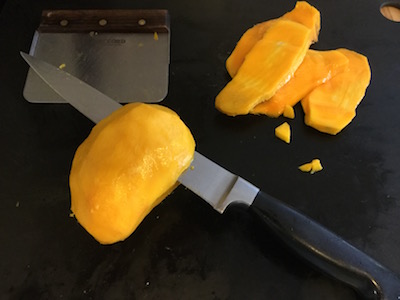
{"x": 184, "y": 249}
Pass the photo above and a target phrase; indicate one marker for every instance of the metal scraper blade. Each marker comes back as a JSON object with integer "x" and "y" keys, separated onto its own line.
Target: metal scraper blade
{"x": 124, "y": 54}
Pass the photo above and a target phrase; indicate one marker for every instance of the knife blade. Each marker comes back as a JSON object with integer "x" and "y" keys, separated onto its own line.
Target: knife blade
{"x": 220, "y": 188}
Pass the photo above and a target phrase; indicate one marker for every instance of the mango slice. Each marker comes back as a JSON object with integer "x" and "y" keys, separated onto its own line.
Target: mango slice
{"x": 316, "y": 68}
{"x": 331, "y": 106}
{"x": 127, "y": 165}
{"x": 303, "y": 13}
{"x": 245, "y": 44}
{"x": 266, "y": 57}
{"x": 308, "y": 15}
{"x": 267, "y": 67}
{"x": 283, "y": 132}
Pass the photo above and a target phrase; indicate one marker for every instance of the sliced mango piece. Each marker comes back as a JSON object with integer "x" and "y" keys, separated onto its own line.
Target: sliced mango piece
{"x": 288, "y": 112}
{"x": 316, "y": 68}
{"x": 308, "y": 15}
{"x": 312, "y": 167}
{"x": 246, "y": 42}
{"x": 303, "y": 13}
{"x": 127, "y": 165}
{"x": 283, "y": 132}
{"x": 331, "y": 106}
{"x": 267, "y": 67}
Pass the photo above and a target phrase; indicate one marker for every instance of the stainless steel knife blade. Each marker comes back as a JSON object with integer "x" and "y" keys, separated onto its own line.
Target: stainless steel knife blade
{"x": 313, "y": 242}
{"x": 86, "y": 99}
{"x": 219, "y": 190}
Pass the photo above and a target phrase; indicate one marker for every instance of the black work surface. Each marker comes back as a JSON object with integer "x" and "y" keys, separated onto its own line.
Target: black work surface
{"x": 184, "y": 249}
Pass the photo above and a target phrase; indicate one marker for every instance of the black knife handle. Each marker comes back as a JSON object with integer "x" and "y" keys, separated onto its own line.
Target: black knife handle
{"x": 327, "y": 251}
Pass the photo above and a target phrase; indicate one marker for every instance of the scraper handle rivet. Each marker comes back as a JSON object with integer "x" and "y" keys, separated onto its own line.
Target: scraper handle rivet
{"x": 103, "y": 22}
{"x": 142, "y": 22}
{"x": 64, "y": 22}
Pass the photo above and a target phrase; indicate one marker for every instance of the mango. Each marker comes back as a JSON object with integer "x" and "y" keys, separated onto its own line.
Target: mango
{"x": 261, "y": 66}
{"x": 316, "y": 68}
{"x": 302, "y": 13}
{"x": 288, "y": 112}
{"x": 312, "y": 167}
{"x": 283, "y": 132}
{"x": 244, "y": 45}
{"x": 267, "y": 67}
{"x": 330, "y": 107}
{"x": 128, "y": 164}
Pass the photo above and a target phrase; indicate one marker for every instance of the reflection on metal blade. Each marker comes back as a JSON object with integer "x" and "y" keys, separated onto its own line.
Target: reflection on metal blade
{"x": 86, "y": 99}
{"x": 216, "y": 185}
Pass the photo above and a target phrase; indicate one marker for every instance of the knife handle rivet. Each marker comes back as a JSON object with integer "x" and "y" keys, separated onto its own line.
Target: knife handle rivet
{"x": 64, "y": 22}
{"x": 142, "y": 22}
{"x": 103, "y": 22}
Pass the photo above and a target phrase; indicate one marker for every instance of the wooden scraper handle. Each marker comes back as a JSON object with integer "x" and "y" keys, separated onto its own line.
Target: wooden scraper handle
{"x": 108, "y": 20}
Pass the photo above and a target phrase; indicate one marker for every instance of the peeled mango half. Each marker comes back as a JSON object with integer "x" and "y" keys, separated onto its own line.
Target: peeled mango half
{"x": 127, "y": 165}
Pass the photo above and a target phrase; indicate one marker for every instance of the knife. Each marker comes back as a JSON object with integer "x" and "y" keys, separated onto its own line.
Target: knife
{"x": 220, "y": 188}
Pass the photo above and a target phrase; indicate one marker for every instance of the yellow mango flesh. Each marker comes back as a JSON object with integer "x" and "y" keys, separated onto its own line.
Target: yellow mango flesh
{"x": 308, "y": 15}
{"x": 288, "y": 112}
{"x": 316, "y": 68}
{"x": 127, "y": 165}
{"x": 303, "y": 13}
{"x": 312, "y": 167}
{"x": 246, "y": 42}
{"x": 306, "y": 167}
{"x": 283, "y": 132}
{"x": 330, "y": 107}
{"x": 267, "y": 67}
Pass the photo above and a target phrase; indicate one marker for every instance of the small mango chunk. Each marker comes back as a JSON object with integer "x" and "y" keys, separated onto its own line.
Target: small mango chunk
{"x": 283, "y": 132}
{"x": 288, "y": 112}
{"x": 127, "y": 165}
{"x": 331, "y": 106}
{"x": 306, "y": 167}
{"x": 312, "y": 167}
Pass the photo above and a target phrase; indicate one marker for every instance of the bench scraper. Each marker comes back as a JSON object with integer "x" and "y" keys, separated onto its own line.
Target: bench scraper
{"x": 123, "y": 53}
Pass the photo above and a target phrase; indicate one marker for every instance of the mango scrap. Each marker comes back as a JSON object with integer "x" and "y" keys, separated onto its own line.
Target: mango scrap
{"x": 311, "y": 167}
{"x": 331, "y": 106}
{"x": 127, "y": 165}
{"x": 283, "y": 132}
{"x": 288, "y": 112}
